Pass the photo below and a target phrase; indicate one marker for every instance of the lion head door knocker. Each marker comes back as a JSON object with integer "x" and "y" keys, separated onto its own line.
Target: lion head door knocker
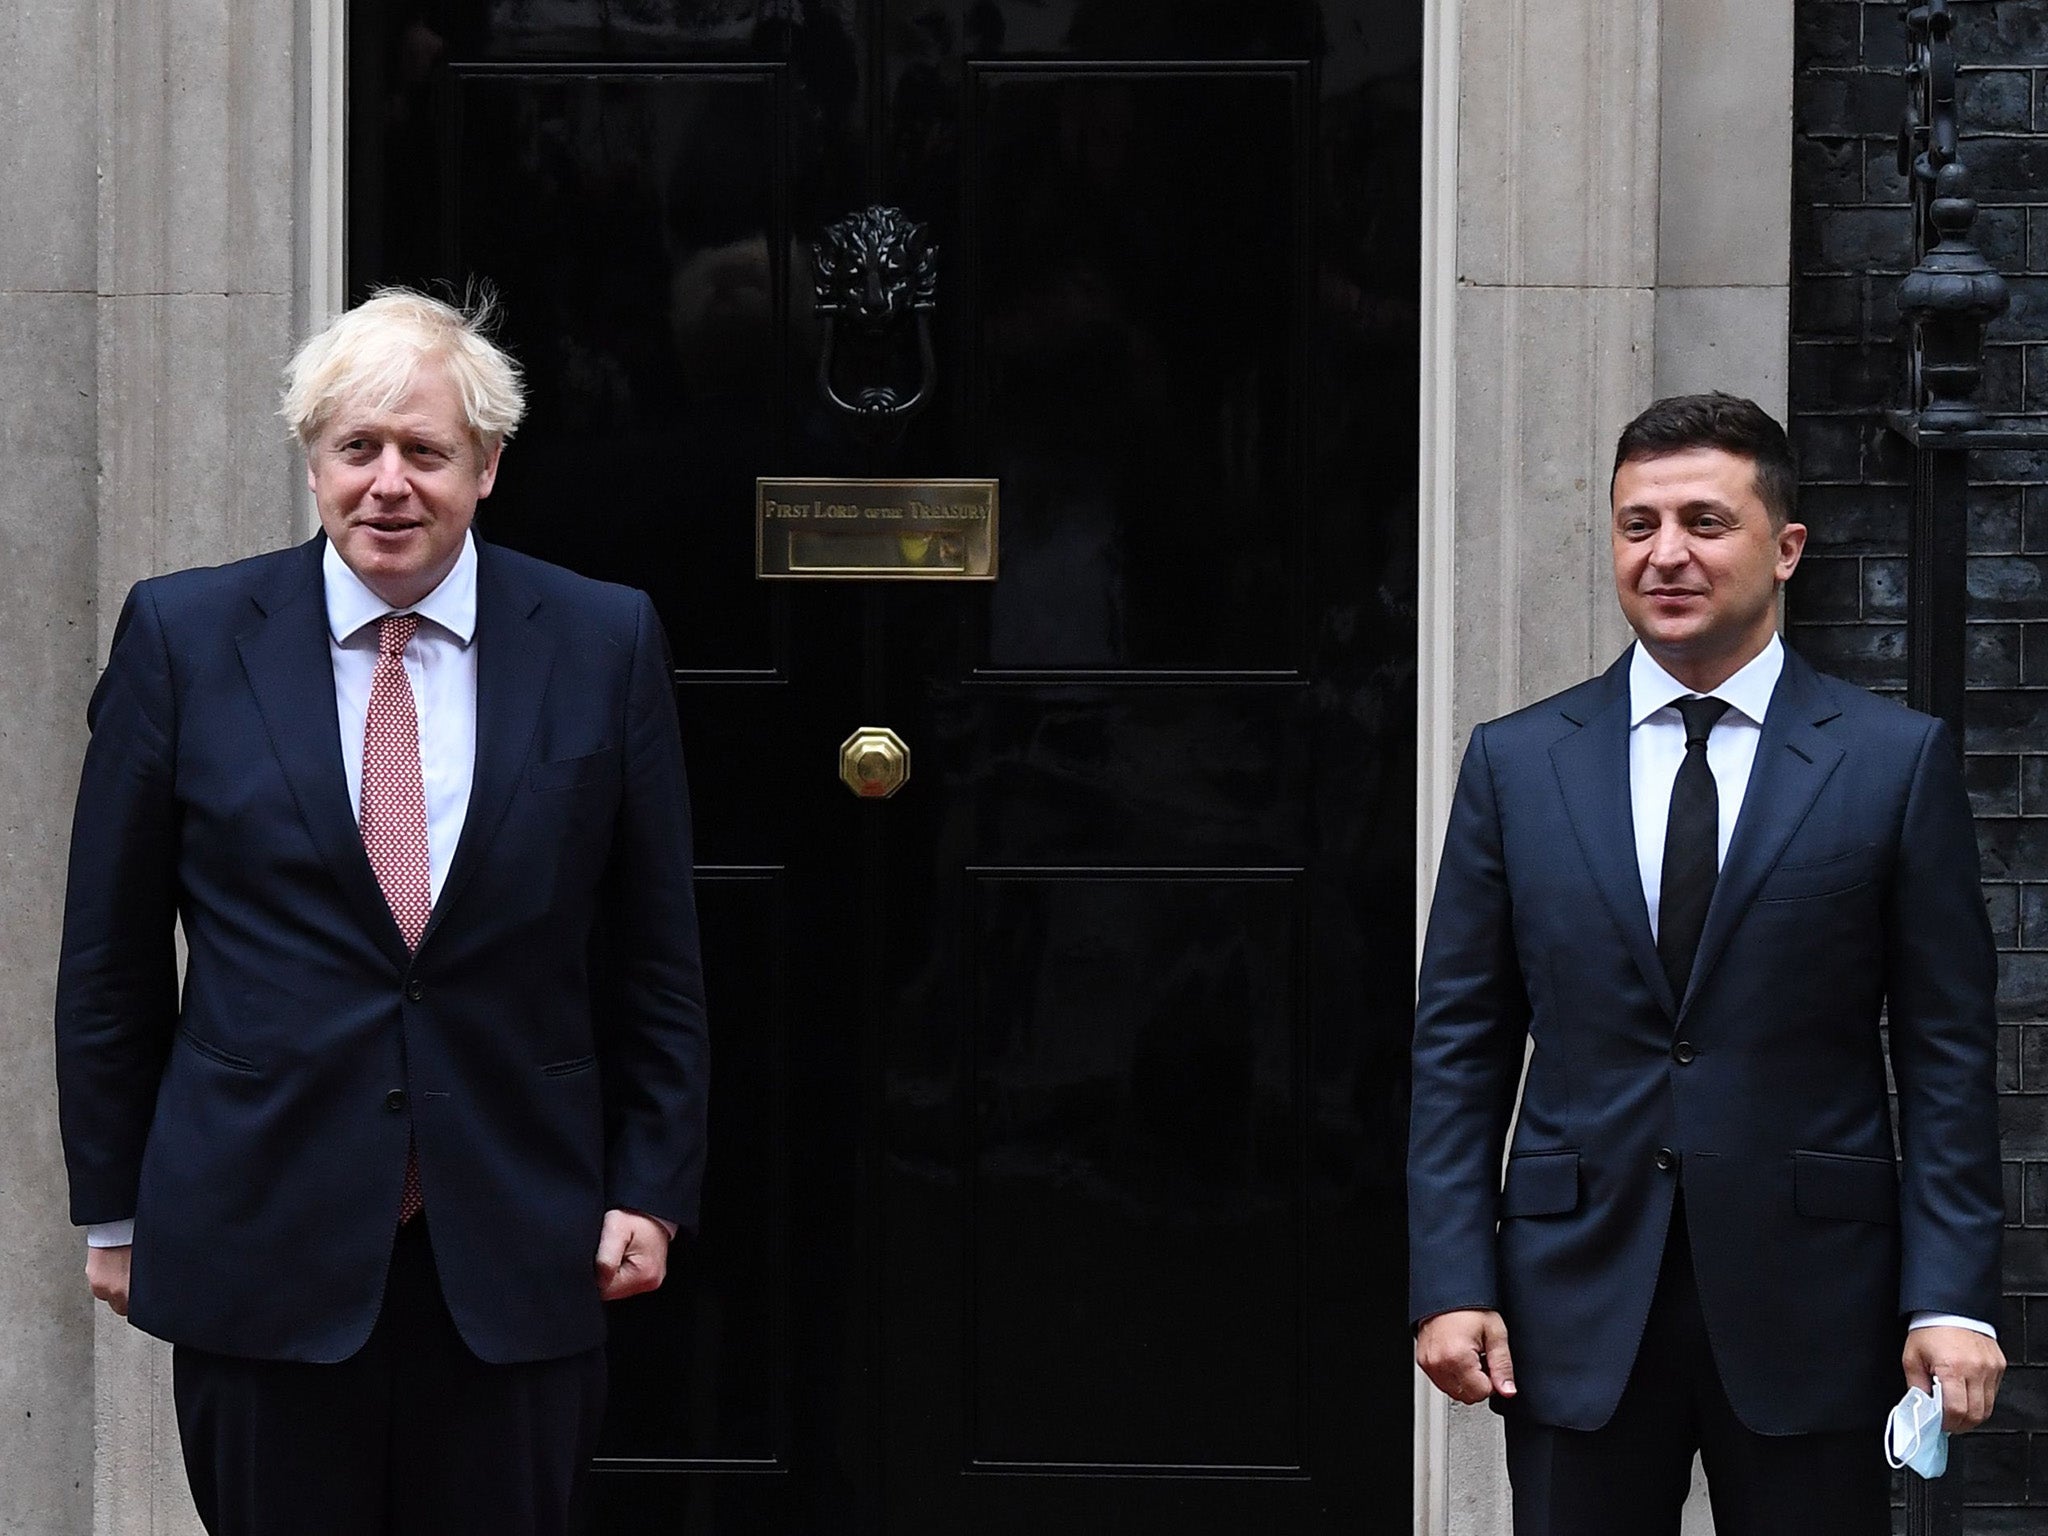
{"x": 875, "y": 271}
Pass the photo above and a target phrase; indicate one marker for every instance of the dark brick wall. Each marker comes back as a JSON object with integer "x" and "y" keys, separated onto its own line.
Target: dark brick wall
{"x": 1850, "y": 248}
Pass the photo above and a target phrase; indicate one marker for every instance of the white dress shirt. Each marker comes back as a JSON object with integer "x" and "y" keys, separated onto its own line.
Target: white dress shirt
{"x": 1656, "y": 748}
{"x": 441, "y": 662}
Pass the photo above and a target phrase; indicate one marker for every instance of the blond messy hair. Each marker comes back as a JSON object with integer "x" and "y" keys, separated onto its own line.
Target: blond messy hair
{"x": 372, "y": 354}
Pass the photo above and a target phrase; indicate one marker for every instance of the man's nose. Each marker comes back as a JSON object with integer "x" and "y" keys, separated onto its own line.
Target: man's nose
{"x": 390, "y": 482}
{"x": 1669, "y": 546}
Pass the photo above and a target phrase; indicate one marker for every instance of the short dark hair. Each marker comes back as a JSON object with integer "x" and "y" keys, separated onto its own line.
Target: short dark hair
{"x": 1728, "y": 422}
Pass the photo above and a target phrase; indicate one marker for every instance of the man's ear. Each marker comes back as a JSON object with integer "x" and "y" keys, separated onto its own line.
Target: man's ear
{"x": 1791, "y": 543}
{"x": 488, "y": 475}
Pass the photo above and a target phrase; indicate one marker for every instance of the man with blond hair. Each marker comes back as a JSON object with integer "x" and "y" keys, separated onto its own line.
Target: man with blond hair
{"x": 434, "y": 1087}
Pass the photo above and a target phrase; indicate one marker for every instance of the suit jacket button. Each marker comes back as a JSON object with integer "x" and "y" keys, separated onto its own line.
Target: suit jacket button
{"x": 1682, "y": 1053}
{"x": 395, "y": 1100}
{"x": 415, "y": 991}
{"x": 1666, "y": 1159}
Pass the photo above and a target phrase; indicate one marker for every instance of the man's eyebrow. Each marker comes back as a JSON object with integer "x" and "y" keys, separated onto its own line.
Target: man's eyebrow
{"x": 401, "y": 431}
{"x": 1697, "y": 504}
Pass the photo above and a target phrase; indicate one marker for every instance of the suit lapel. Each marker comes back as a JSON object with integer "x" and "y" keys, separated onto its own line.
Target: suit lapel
{"x": 1793, "y": 760}
{"x": 514, "y": 656}
{"x": 1592, "y": 775}
{"x": 285, "y": 654}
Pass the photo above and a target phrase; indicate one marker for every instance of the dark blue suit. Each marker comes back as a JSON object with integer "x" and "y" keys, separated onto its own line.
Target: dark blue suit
{"x": 257, "y": 1127}
{"x": 1850, "y": 888}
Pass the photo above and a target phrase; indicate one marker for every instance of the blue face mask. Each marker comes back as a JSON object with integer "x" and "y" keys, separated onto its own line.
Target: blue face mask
{"x": 1913, "y": 1436}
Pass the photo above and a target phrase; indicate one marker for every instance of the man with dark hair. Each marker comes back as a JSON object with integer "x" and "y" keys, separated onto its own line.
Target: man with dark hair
{"x": 1685, "y": 893}
{"x": 1734, "y": 425}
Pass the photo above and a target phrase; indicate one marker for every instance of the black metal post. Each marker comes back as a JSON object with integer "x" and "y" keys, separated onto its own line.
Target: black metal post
{"x": 1947, "y": 300}
{"x": 1937, "y": 584}
{"x": 1932, "y": 1509}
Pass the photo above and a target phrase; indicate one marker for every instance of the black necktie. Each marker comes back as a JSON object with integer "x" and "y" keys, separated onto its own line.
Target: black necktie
{"x": 1692, "y": 847}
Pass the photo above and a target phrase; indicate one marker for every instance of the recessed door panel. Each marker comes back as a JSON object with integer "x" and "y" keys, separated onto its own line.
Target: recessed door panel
{"x": 1135, "y": 236}
{"x": 1135, "y": 1171}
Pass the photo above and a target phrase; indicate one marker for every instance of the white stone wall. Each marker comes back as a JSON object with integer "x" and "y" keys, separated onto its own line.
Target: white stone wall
{"x": 198, "y": 145}
{"x": 48, "y": 414}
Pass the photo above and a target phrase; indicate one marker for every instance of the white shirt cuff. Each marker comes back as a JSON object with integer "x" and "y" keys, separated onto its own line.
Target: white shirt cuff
{"x": 666, "y": 1225}
{"x": 121, "y": 1234}
{"x": 1950, "y": 1320}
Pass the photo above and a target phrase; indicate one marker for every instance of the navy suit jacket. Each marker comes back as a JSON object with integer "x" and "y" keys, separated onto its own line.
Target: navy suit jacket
{"x": 1850, "y": 890}
{"x": 545, "y": 1044}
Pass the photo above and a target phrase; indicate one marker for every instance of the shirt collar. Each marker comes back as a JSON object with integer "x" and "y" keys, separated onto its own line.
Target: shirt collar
{"x": 1748, "y": 692}
{"x": 351, "y": 605}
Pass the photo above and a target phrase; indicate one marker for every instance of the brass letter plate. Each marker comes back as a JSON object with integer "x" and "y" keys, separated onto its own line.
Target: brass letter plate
{"x": 875, "y": 530}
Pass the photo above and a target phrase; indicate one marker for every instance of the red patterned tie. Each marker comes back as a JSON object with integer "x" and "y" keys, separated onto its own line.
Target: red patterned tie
{"x": 393, "y": 815}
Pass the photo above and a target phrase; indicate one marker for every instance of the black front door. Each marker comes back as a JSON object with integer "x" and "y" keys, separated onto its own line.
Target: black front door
{"x": 1059, "y": 1100}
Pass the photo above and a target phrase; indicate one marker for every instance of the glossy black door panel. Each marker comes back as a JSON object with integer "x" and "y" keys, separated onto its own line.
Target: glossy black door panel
{"x": 1134, "y": 1169}
{"x": 613, "y": 29}
{"x": 1055, "y": 1177}
{"x": 1136, "y": 271}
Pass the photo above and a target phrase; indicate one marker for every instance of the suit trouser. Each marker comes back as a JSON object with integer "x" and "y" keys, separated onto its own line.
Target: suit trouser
{"x": 1631, "y": 1476}
{"x": 410, "y": 1435}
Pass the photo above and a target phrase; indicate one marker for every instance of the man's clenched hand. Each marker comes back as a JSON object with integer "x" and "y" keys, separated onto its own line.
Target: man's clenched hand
{"x": 1466, "y": 1355}
{"x": 632, "y": 1255}
{"x": 106, "y": 1271}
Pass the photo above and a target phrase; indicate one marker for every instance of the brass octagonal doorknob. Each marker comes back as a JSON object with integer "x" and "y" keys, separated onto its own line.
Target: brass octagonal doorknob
{"x": 874, "y": 763}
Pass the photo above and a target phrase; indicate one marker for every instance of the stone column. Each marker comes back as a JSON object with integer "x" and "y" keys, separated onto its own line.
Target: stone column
{"x": 1606, "y": 219}
{"x": 200, "y": 147}
{"x": 198, "y": 150}
{"x": 47, "y": 426}
{"x": 1542, "y": 274}
{"x": 1724, "y": 246}
{"x": 1557, "y": 264}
